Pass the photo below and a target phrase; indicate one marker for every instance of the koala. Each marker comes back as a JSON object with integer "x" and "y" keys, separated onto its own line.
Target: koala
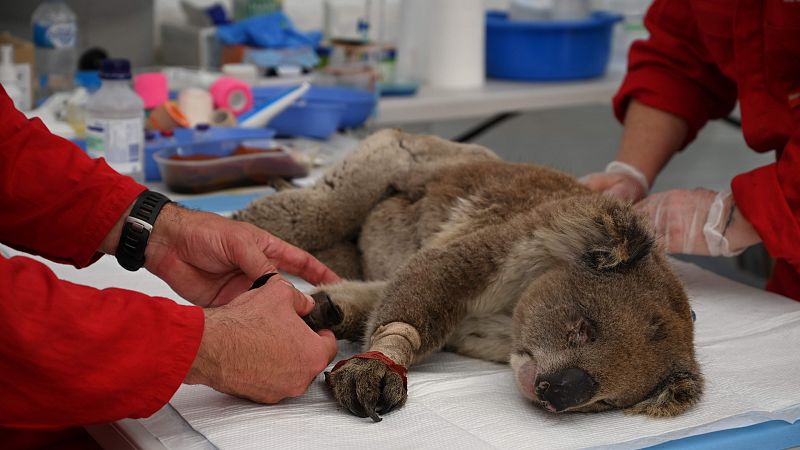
{"x": 446, "y": 247}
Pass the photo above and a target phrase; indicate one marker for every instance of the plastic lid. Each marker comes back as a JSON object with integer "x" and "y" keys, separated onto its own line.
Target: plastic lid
{"x": 201, "y": 127}
{"x": 115, "y": 69}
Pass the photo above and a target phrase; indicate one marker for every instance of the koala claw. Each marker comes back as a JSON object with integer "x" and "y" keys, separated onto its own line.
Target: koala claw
{"x": 326, "y": 313}
{"x": 367, "y": 387}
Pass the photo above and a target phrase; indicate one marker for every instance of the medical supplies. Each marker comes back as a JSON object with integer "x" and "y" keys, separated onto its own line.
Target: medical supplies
{"x": 232, "y": 94}
{"x": 196, "y": 104}
{"x": 152, "y": 88}
{"x": 115, "y": 120}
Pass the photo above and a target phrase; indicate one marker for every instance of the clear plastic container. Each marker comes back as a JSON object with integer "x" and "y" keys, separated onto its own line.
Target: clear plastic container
{"x": 252, "y": 163}
{"x": 115, "y": 121}
{"x": 55, "y": 37}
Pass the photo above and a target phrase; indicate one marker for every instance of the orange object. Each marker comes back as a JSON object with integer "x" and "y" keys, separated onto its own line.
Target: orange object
{"x": 167, "y": 116}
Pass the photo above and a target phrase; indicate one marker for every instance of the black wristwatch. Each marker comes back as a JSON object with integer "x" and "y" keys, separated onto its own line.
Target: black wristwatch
{"x": 137, "y": 228}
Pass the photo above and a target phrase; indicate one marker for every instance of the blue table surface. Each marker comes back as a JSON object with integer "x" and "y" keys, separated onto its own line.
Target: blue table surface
{"x": 775, "y": 434}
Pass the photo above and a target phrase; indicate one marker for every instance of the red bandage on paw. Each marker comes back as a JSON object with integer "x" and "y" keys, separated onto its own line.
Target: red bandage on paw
{"x": 393, "y": 366}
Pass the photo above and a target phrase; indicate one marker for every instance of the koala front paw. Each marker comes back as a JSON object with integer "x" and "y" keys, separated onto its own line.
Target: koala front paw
{"x": 325, "y": 314}
{"x": 368, "y": 384}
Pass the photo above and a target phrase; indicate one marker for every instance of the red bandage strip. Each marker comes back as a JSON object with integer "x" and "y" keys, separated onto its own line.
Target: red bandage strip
{"x": 393, "y": 366}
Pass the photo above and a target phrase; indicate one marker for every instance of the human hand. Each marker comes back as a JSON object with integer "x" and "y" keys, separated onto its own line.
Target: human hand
{"x": 208, "y": 259}
{"x": 698, "y": 222}
{"x": 620, "y": 180}
{"x": 258, "y": 347}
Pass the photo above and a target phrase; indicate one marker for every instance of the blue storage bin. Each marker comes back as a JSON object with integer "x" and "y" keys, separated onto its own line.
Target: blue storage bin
{"x": 356, "y": 106}
{"x": 308, "y": 119}
{"x": 548, "y": 50}
{"x": 358, "y": 103}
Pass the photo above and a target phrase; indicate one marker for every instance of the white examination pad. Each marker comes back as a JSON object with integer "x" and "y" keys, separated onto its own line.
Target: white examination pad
{"x": 746, "y": 342}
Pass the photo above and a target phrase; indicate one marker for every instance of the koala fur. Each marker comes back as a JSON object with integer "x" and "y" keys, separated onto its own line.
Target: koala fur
{"x": 446, "y": 247}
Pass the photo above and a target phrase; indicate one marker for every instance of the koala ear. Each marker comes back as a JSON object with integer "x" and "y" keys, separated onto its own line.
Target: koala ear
{"x": 677, "y": 393}
{"x": 603, "y": 235}
{"x": 622, "y": 240}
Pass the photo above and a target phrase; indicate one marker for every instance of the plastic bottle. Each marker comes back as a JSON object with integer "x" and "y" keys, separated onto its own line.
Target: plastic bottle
{"x": 55, "y": 36}
{"x": 115, "y": 121}
{"x": 8, "y": 75}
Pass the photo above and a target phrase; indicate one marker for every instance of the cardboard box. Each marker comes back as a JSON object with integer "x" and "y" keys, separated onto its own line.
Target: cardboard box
{"x": 24, "y": 60}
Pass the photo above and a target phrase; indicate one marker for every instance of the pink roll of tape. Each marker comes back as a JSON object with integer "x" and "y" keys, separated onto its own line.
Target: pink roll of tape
{"x": 232, "y": 94}
{"x": 152, "y": 88}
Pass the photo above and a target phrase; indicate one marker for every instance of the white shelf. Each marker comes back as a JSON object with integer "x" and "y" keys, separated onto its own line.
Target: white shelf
{"x": 432, "y": 104}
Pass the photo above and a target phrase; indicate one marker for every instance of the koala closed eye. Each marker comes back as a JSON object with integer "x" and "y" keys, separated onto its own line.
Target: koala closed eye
{"x": 582, "y": 332}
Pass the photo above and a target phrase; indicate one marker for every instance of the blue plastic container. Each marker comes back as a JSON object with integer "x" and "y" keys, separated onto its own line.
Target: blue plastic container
{"x": 353, "y": 106}
{"x": 308, "y": 119}
{"x": 358, "y": 104}
{"x": 548, "y": 50}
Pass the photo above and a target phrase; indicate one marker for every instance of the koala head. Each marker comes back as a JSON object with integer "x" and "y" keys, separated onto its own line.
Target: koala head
{"x": 605, "y": 324}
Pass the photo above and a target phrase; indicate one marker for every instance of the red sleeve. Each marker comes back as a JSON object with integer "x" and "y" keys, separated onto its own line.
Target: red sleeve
{"x": 69, "y": 354}
{"x": 74, "y": 355}
{"x": 672, "y": 70}
{"x": 769, "y": 197}
{"x": 55, "y": 201}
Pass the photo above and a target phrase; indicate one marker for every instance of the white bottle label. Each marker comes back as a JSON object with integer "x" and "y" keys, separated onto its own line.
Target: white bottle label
{"x": 119, "y": 141}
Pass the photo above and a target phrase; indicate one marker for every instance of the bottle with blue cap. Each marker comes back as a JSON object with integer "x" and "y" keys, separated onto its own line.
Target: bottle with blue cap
{"x": 115, "y": 121}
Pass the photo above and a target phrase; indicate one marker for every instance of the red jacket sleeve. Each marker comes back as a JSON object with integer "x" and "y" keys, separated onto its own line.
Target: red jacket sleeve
{"x": 70, "y": 354}
{"x": 74, "y": 355}
{"x": 55, "y": 201}
{"x": 673, "y": 71}
{"x": 769, "y": 197}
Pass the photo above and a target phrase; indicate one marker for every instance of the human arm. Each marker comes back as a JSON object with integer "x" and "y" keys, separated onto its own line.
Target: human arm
{"x": 649, "y": 139}
{"x": 672, "y": 88}
{"x": 74, "y": 355}
{"x": 209, "y": 260}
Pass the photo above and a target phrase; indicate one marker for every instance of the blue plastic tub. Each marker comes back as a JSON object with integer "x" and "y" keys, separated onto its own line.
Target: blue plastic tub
{"x": 548, "y": 50}
{"x": 358, "y": 103}
{"x": 308, "y": 119}
{"x": 355, "y": 105}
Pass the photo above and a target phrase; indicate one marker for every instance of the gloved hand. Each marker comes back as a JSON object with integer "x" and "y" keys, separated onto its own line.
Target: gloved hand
{"x": 698, "y": 222}
{"x": 620, "y": 180}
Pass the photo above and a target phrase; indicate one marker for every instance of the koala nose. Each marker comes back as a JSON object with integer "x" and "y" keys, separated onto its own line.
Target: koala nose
{"x": 565, "y": 388}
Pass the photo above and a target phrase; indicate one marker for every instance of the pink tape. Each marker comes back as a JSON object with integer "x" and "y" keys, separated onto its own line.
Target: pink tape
{"x": 152, "y": 88}
{"x": 232, "y": 94}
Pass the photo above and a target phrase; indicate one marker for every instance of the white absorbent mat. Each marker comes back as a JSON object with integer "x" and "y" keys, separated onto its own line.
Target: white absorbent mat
{"x": 746, "y": 342}
{"x": 747, "y": 347}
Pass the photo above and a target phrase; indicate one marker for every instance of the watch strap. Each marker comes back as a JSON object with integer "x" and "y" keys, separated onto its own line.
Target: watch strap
{"x": 137, "y": 228}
